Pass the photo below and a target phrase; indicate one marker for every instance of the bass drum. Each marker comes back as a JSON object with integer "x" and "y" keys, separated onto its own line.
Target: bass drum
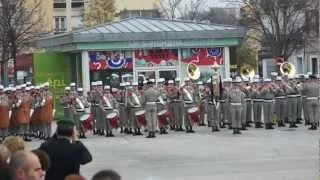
{"x": 113, "y": 120}
{"x": 163, "y": 117}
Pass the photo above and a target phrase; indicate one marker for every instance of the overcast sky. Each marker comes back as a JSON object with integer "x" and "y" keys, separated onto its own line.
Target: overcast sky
{"x": 221, "y": 3}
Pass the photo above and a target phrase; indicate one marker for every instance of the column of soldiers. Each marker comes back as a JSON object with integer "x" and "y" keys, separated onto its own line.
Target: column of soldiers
{"x": 26, "y": 111}
{"x": 137, "y": 108}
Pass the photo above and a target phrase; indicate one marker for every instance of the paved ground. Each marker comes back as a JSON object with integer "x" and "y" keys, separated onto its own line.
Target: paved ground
{"x": 280, "y": 154}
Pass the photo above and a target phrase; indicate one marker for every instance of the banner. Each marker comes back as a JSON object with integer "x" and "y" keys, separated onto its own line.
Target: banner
{"x": 203, "y": 56}
{"x": 156, "y": 57}
{"x": 55, "y": 69}
{"x": 103, "y": 60}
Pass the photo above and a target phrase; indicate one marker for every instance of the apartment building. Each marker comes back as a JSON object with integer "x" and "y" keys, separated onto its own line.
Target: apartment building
{"x": 68, "y": 14}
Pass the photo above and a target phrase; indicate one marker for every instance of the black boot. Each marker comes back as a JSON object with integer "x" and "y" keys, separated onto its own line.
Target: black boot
{"x": 244, "y": 127}
{"x": 179, "y": 129}
{"x": 270, "y": 126}
{"x": 163, "y": 131}
{"x": 121, "y": 130}
{"x": 299, "y": 121}
{"x": 172, "y": 128}
{"x": 236, "y": 131}
{"x": 215, "y": 129}
{"x": 293, "y": 125}
{"x": 126, "y": 130}
{"x": 258, "y": 125}
{"x": 151, "y": 135}
{"x": 248, "y": 125}
{"x": 202, "y": 124}
{"x": 139, "y": 132}
{"x": 281, "y": 124}
{"x": 313, "y": 127}
{"x": 189, "y": 129}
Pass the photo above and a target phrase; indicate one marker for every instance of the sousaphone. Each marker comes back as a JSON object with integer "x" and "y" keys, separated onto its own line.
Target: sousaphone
{"x": 193, "y": 71}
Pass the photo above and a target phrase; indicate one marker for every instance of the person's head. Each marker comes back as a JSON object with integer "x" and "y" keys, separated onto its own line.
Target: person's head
{"x": 25, "y": 166}
{"x": 65, "y": 128}
{"x": 43, "y": 158}
{"x": 4, "y": 154}
{"x": 14, "y": 144}
{"x": 74, "y": 177}
{"x": 106, "y": 175}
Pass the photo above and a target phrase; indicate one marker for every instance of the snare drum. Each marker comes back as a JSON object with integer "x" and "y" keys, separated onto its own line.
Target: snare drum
{"x": 193, "y": 115}
{"x": 163, "y": 118}
{"x": 87, "y": 123}
{"x": 113, "y": 119}
{"x": 141, "y": 118}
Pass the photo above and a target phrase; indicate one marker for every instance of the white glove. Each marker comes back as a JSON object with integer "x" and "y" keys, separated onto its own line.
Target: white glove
{"x": 31, "y": 112}
{"x": 10, "y": 113}
{"x": 18, "y": 103}
{"x": 53, "y": 112}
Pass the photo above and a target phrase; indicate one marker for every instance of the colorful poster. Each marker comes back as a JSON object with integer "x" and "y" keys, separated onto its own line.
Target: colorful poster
{"x": 55, "y": 69}
{"x": 203, "y": 56}
{"x": 156, "y": 57}
{"x": 102, "y": 60}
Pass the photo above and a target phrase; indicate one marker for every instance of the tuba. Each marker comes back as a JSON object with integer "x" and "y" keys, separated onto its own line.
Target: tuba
{"x": 193, "y": 71}
{"x": 247, "y": 72}
{"x": 287, "y": 69}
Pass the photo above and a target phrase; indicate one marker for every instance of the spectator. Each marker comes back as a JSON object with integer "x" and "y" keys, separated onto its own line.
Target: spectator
{"x": 25, "y": 166}
{"x": 4, "y": 159}
{"x": 74, "y": 177}
{"x": 14, "y": 144}
{"x": 65, "y": 152}
{"x": 43, "y": 157}
{"x": 106, "y": 175}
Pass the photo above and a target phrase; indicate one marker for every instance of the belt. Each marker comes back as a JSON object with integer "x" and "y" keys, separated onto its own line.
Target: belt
{"x": 257, "y": 100}
{"x": 281, "y": 97}
{"x": 312, "y": 98}
{"x": 247, "y": 99}
{"x": 267, "y": 100}
{"x": 188, "y": 102}
{"x": 107, "y": 108}
{"x": 293, "y": 96}
{"x": 236, "y": 104}
{"x": 222, "y": 101}
{"x": 80, "y": 110}
{"x": 151, "y": 103}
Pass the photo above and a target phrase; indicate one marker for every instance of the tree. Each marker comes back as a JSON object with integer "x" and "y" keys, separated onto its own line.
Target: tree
{"x": 99, "y": 12}
{"x": 219, "y": 16}
{"x": 170, "y": 8}
{"x": 20, "y": 25}
{"x": 283, "y": 25}
{"x": 192, "y": 10}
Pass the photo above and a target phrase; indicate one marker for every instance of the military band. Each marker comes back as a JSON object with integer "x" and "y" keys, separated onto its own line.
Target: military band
{"x": 162, "y": 105}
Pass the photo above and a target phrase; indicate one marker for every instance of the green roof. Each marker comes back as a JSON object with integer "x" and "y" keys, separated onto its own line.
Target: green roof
{"x": 135, "y": 30}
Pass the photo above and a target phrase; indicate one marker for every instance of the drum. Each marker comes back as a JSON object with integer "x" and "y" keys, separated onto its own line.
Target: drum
{"x": 141, "y": 118}
{"x": 87, "y": 122}
{"x": 113, "y": 119}
{"x": 193, "y": 115}
{"x": 163, "y": 118}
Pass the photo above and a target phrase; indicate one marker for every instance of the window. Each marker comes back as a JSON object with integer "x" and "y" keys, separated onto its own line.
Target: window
{"x": 299, "y": 65}
{"x": 60, "y": 24}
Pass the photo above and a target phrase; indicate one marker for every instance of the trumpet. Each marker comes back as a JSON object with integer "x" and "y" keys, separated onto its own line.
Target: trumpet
{"x": 287, "y": 69}
{"x": 193, "y": 71}
{"x": 247, "y": 72}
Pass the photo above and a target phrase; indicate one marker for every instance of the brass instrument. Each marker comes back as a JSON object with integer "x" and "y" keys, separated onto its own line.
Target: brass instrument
{"x": 247, "y": 72}
{"x": 193, "y": 71}
{"x": 287, "y": 69}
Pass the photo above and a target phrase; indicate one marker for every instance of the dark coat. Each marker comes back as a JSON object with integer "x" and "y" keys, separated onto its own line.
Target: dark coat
{"x": 66, "y": 157}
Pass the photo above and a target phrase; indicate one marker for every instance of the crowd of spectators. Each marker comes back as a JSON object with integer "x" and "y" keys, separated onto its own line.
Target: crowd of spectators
{"x": 58, "y": 158}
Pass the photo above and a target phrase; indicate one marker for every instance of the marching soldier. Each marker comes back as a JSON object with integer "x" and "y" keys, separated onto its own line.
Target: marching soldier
{"x": 149, "y": 100}
{"x": 134, "y": 105}
{"x": 213, "y": 106}
{"x": 245, "y": 89}
{"x": 47, "y": 110}
{"x": 292, "y": 98}
{"x": 82, "y": 104}
{"x": 313, "y": 95}
{"x": 109, "y": 106}
{"x": 23, "y": 113}
{"x": 4, "y": 114}
{"x": 178, "y": 106}
{"x": 236, "y": 100}
{"x": 172, "y": 93}
{"x": 65, "y": 102}
{"x": 304, "y": 93}
{"x": 189, "y": 102}
{"x": 93, "y": 107}
{"x": 122, "y": 108}
{"x": 280, "y": 102}
{"x": 267, "y": 95}
{"x": 98, "y": 101}
{"x": 162, "y": 106}
{"x": 200, "y": 99}
{"x": 225, "y": 106}
{"x": 257, "y": 100}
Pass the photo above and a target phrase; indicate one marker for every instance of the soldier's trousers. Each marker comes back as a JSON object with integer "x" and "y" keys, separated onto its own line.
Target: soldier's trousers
{"x": 236, "y": 111}
{"x": 100, "y": 119}
{"x": 171, "y": 111}
{"x": 222, "y": 116}
{"x": 257, "y": 111}
{"x": 268, "y": 111}
{"x": 178, "y": 113}
{"x": 227, "y": 113}
{"x": 23, "y": 129}
{"x": 306, "y": 114}
{"x": 244, "y": 114}
{"x": 292, "y": 109}
{"x": 187, "y": 121}
{"x": 299, "y": 108}
{"x": 278, "y": 107}
{"x": 213, "y": 115}
{"x": 123, "y": 115}
{"x": 151, "y": 116}
{"x": 4, "y": 132}
{"x": 249, "y": 111}
{"x": 313, "y": 108}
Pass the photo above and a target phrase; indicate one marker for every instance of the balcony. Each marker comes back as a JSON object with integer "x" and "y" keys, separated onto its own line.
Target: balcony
{"x": 62, "y": 3}
{"x": 60, "y": 31}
